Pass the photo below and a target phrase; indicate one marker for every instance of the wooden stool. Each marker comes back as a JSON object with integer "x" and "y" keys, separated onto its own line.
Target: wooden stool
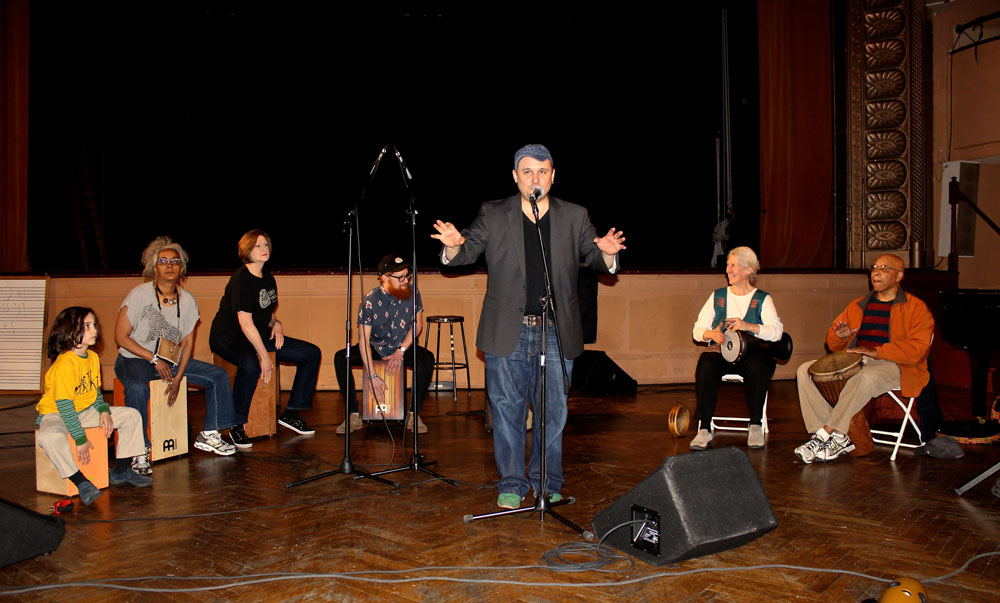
{"x": 395, "y": 396}
{"x": 262, "y": 420}
{"x": 168, "y": 425}
{"x": 438, "y": 365}
{"x": 47, "y": 477}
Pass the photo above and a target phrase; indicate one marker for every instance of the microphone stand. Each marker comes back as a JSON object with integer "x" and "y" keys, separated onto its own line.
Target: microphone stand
{"x": 542, "y": 503}
{"x": 416, "y": 462}
{"x": 346, "y": 466}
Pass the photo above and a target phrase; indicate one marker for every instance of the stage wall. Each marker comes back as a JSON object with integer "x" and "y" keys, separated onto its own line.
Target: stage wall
{"x": 644, "y": 320}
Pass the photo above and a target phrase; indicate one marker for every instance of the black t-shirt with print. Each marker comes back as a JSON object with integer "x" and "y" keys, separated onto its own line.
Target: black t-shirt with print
{"x": 247, "y": 293}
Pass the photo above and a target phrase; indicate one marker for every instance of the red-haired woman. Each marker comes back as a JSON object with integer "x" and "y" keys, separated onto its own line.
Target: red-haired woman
{"x": 246, "y": 328}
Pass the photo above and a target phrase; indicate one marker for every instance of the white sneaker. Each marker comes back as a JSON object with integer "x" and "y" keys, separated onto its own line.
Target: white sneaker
{"x": 837, "y": 445}
{"x": 755, "y": 436}
{"x": 702, "y": 441}
{"x": 211, "y": 441}
{"x": 807, "y": 452}
{"x": 140, "y": 464}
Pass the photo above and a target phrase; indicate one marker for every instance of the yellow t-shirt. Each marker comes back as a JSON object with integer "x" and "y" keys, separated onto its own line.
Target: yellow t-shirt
{"x": 71, "y": 378}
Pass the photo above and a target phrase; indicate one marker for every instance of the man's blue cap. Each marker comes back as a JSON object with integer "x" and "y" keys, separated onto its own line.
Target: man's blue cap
{"x": 535, "y": 151}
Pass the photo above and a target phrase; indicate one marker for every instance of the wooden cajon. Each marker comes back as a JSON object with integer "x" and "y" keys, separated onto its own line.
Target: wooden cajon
{"x": 395, "y": 395}
{"x": 168, "y": 425}
{"x": 262, "y": 420}
{"x": 47, "y": 477}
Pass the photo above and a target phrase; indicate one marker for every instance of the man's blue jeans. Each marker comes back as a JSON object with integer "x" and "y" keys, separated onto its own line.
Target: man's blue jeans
{"x": 136, "y": 373}
{"x": 512, "y": 380}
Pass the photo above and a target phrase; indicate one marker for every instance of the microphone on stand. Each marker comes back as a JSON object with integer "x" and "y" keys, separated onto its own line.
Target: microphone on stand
{"x": 402, "y": 165}
{"x": 537, "y": 193}
{"x": 378, "y": 160}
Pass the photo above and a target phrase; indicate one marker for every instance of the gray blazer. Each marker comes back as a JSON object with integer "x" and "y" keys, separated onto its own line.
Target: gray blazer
{"x": 498, "y": 232}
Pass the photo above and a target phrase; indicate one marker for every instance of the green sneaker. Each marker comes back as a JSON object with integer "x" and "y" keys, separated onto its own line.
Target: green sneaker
{"x": 508, "y": 500}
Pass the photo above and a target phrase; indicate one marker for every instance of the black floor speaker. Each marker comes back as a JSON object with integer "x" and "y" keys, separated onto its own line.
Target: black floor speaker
{"x": 25, "y": 534}
{"x": 696, "y": 504}
{"x": 596, "y": 373}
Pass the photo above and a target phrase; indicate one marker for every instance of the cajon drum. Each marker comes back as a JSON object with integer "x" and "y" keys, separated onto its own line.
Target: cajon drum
{"x": 168, "y": 425}
{"x": 262, "y": 420}
{"x": 47, "y": 478}
{"x": 395, "y": 395}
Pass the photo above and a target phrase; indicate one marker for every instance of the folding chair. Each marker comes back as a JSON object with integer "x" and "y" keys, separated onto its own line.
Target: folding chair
{"x": 732, "y": 378}
{"x": 908, "y": 418}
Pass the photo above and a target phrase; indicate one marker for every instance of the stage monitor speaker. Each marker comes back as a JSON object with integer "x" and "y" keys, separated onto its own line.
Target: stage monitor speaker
{"x": 25, "y": 534}
{"x": 696, "y": 504}
{"x": 596, "y": 373}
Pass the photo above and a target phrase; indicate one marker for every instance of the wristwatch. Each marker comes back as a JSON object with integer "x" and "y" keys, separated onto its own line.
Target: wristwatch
{"x": 402, "y": 349}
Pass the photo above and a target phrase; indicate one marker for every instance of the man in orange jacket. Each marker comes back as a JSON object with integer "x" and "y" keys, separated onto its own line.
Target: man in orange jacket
{"x": 892, "y": 330}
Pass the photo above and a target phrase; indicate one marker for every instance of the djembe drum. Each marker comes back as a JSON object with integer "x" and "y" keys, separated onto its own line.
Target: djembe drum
{"x": 830, "y": 374}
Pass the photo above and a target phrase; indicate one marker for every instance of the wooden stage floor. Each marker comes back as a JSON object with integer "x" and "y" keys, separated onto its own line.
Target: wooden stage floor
{"x": 233, "y": 517}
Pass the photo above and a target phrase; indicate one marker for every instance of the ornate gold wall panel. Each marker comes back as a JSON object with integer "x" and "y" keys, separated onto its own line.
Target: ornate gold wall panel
{"x": 886, "y": 163}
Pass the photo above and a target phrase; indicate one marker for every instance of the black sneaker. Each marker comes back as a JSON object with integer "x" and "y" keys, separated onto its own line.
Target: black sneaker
{"x": 88, "y": 492}
{"x": 296, "y": 424}
{"x": 239, "y": 437}
{"x": 127, "y": 477}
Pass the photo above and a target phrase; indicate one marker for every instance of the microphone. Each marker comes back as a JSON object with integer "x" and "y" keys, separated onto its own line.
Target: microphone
{"x": 402, "y": 165}
{"x": 378, "y": 160}
{"x": 537, "y": 193}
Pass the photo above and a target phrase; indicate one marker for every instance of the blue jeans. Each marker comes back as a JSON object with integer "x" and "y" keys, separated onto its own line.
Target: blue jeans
{"x": 236, "y": 348}
{"x": 136, "y": 373}
{"x": 509, "y": 382}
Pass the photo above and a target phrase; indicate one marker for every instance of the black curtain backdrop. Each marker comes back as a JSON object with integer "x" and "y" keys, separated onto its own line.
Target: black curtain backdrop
{"x": 205, "y": 119}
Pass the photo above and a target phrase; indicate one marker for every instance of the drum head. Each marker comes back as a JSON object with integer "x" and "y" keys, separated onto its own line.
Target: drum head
{"x": 834, "y": 364}
{"x": 733, "y": 346}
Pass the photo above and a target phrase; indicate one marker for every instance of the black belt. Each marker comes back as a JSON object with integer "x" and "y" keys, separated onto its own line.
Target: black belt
{"x": 532, "y": 320}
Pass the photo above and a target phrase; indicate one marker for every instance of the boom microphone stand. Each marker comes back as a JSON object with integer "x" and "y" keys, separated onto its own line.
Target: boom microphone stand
{"x": 346, "y": 466}
{"x": 542, "y": 503}
{"x": 416, "y": 462}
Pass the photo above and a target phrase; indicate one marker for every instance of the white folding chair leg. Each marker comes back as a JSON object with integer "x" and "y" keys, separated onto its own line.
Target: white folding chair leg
{"x": 733, "y": 378}
{"x": 897, "y": 442}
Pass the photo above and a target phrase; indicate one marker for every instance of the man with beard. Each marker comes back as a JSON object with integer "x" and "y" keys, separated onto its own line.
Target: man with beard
{"x": 385, "y": 318}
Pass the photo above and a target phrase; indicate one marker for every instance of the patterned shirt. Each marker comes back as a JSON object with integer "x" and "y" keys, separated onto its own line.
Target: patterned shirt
{"x": 389, "y": 318}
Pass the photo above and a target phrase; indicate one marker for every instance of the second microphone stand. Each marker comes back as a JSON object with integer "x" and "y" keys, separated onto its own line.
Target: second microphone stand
{"x": 347, "y": 467}
{"x": 416, "y": 462}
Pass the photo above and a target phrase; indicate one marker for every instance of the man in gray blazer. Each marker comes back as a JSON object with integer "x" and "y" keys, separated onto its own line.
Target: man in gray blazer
{"x": 510, "y": 323}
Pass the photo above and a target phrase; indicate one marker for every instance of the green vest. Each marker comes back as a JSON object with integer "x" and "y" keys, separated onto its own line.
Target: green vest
{"x": 753, "y": 312}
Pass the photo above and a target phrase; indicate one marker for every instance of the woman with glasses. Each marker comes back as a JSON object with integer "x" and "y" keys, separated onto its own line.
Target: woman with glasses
{"x": 246, "y": 328}
{"x": 155, "y": 337}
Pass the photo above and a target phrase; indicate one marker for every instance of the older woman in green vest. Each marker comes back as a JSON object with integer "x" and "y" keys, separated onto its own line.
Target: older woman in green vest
{"x": 739, "y": 307}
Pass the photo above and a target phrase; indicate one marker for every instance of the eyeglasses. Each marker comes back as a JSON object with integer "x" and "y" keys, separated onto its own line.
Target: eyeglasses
{"x": 169, "y": 261}
{"x": 401, "y": 279}
{"x": 883, "y": 268}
